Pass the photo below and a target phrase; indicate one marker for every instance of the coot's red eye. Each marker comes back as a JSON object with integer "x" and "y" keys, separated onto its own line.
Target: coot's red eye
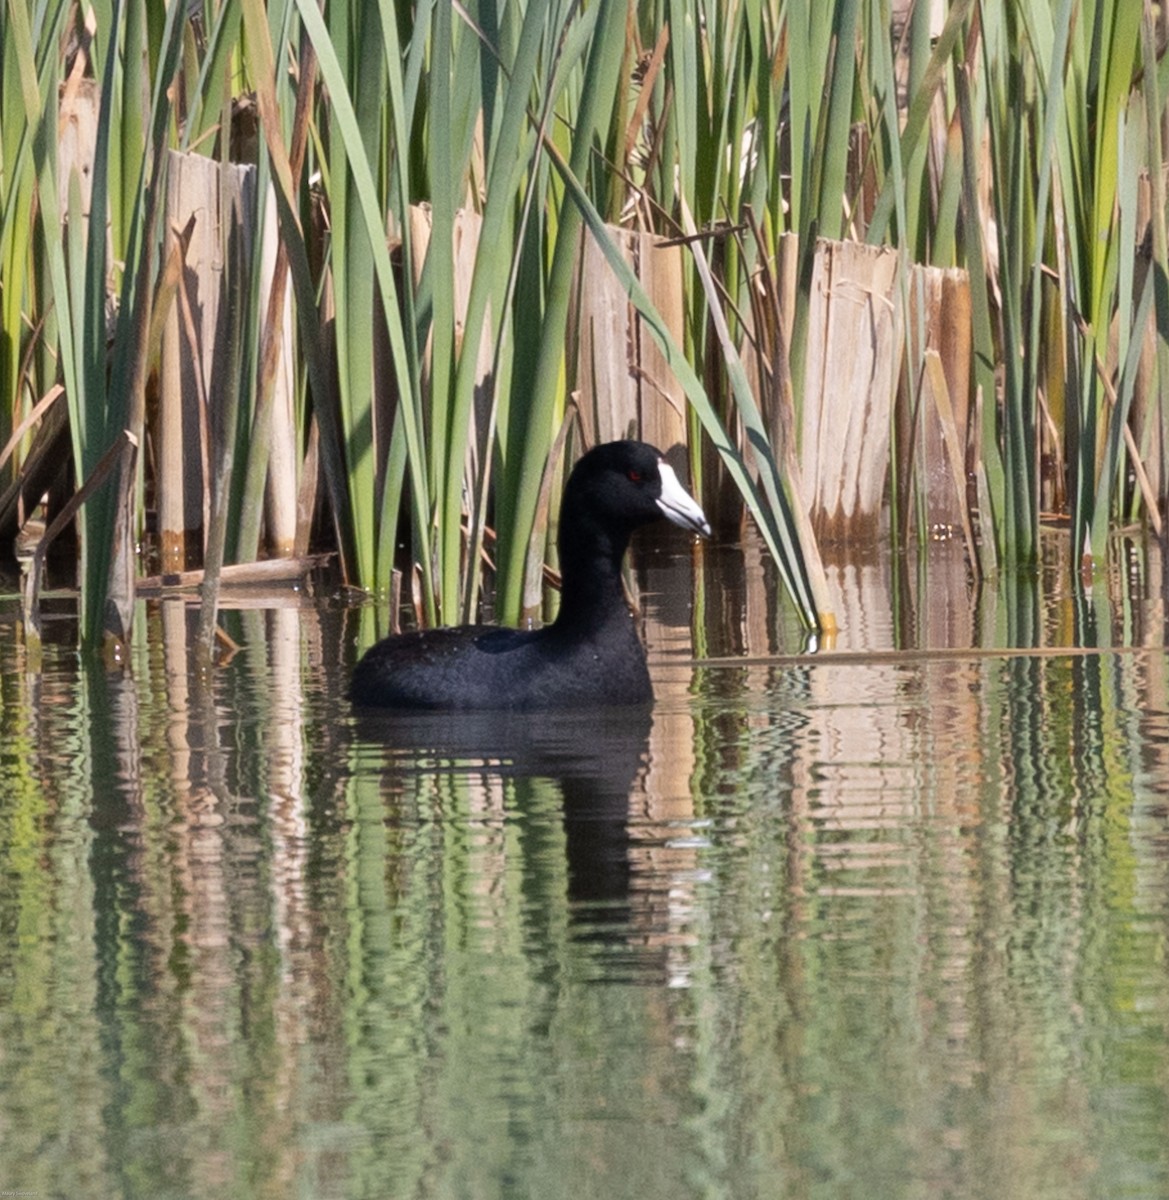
{"x": 635, "y": 475}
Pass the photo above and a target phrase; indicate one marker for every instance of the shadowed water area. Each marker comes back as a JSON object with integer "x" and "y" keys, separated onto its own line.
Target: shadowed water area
{"x": 886, "y": 920}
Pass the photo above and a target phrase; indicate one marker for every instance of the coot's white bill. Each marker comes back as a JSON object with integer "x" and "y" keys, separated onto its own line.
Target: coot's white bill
{"x": 677, "y": 503}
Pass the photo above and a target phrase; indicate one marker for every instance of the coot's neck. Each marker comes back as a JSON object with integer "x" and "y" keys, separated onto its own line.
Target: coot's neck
{"x": 591, "y": 591}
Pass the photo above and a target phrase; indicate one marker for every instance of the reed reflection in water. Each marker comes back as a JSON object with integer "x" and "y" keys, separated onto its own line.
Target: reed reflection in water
{"x": 874, "y": 925}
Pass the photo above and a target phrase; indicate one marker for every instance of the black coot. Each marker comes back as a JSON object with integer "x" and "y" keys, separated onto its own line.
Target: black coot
{"x": 591, "y": 654}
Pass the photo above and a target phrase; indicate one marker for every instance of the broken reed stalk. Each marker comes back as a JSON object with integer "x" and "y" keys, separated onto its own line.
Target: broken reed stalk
{"x": 265, "y": 573}
{"x": 122, "y": 454}
{"x": 273, "y": 340}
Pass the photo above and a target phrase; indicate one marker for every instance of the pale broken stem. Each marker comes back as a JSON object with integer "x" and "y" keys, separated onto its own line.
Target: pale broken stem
{"x": 123, "y": 452}
{"x": 41, "y": 407}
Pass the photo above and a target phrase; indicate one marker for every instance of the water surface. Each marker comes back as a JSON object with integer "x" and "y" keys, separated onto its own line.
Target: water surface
{"x": 888, "y": 920}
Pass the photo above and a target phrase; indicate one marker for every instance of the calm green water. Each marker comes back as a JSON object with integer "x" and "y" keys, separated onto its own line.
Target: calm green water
{"x": 877, "y": 926}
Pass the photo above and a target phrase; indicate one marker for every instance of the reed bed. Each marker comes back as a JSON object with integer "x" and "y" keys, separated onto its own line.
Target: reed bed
{"x": 370, "y": 330}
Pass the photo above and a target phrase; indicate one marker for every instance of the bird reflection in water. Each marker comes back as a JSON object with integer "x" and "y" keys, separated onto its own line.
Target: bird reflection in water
{"x": 597, "y": 760}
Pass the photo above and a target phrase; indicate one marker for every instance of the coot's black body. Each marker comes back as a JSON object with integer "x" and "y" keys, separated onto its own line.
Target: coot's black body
{"x": 591, "y": 654}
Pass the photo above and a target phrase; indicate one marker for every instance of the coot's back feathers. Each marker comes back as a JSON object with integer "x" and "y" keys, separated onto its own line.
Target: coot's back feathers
{"x": 591, "y": 654}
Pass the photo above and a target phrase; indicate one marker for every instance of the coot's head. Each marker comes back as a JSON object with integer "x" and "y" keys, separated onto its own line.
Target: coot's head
{"x": 621, "y": 485}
